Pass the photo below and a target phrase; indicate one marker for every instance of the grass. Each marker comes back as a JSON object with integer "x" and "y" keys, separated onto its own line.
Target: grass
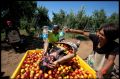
{"x": 2, "y": 36}
{"x": 81, "y": 37}
{"x": 23, "y": 32}
{"x": 77, "y": 36}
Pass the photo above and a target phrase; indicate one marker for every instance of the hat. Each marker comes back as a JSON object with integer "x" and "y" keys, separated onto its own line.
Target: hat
{"x": 56, "y": 26}
{"x": 45, "y": 26}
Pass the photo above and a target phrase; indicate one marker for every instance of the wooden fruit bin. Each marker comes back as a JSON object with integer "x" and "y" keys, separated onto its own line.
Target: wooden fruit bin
{"x": 82, "y": 65}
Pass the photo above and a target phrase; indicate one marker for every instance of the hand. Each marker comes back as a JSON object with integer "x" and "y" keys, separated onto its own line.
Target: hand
{"x": 55, "y": 63}
{"x": 99, "y": 75}
{"x": 67, "y": 30}
{"x": 62, "y": 48}
{"x": 52, "y": 65}
{"x": 45, "y": 54}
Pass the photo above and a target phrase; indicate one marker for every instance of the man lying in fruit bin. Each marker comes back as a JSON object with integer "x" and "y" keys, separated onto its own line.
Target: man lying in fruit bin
{"x": 55, "y": 54}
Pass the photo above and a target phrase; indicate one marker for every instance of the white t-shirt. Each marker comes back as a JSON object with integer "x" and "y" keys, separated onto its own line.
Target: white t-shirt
{"x": 13, "y": 36}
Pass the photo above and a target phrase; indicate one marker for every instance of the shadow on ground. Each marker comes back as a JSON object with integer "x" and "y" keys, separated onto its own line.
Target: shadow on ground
{"x": 28, "y": 43}
{"x": 4, "y": 77}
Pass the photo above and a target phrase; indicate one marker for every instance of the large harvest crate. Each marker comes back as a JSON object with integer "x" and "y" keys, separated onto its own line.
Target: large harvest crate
{"x": 86, "y": 66}
{"x": 20, "y": 64}
{"x": 80, "y": 61}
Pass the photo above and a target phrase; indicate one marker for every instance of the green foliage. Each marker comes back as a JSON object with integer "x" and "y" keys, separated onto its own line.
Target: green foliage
{"x": 27, "y": 15}
{"x": 18, "y": 10}
{"x": 81, "y": 18}
{"x": 23, "y": 23}
{"x": 41, "y": 17}
{"x": 59, "y": 18}
{"x": 82, "y": 21}
{"x": 113, "y": 18}
{"x": 99, "y": 17}
{"x": 71, "y": 21}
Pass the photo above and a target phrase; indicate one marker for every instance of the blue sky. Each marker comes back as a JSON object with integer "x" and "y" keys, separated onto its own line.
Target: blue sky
{"x": 55, "y": 6}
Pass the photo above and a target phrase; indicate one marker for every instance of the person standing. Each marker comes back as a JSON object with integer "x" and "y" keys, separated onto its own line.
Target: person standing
{"x": 12, "y": 35}
{"x": 105, "y": 48}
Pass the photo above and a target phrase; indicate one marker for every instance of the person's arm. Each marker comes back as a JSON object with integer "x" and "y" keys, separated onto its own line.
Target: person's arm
{"x": 45, "y": 39}
{"x": 64, "y": 59}
{"x": 108, "y": 64}
{"x": 46, "y": 44}
{"x": 77, "y": 31}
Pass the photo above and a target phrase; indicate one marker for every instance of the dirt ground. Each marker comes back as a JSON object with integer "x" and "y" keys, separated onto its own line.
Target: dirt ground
{"x": 10, "y": 58}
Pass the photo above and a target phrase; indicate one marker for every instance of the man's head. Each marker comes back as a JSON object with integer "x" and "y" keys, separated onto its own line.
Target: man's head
{"x": 56, "y": 28}
{"x": 9, "y": 23}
